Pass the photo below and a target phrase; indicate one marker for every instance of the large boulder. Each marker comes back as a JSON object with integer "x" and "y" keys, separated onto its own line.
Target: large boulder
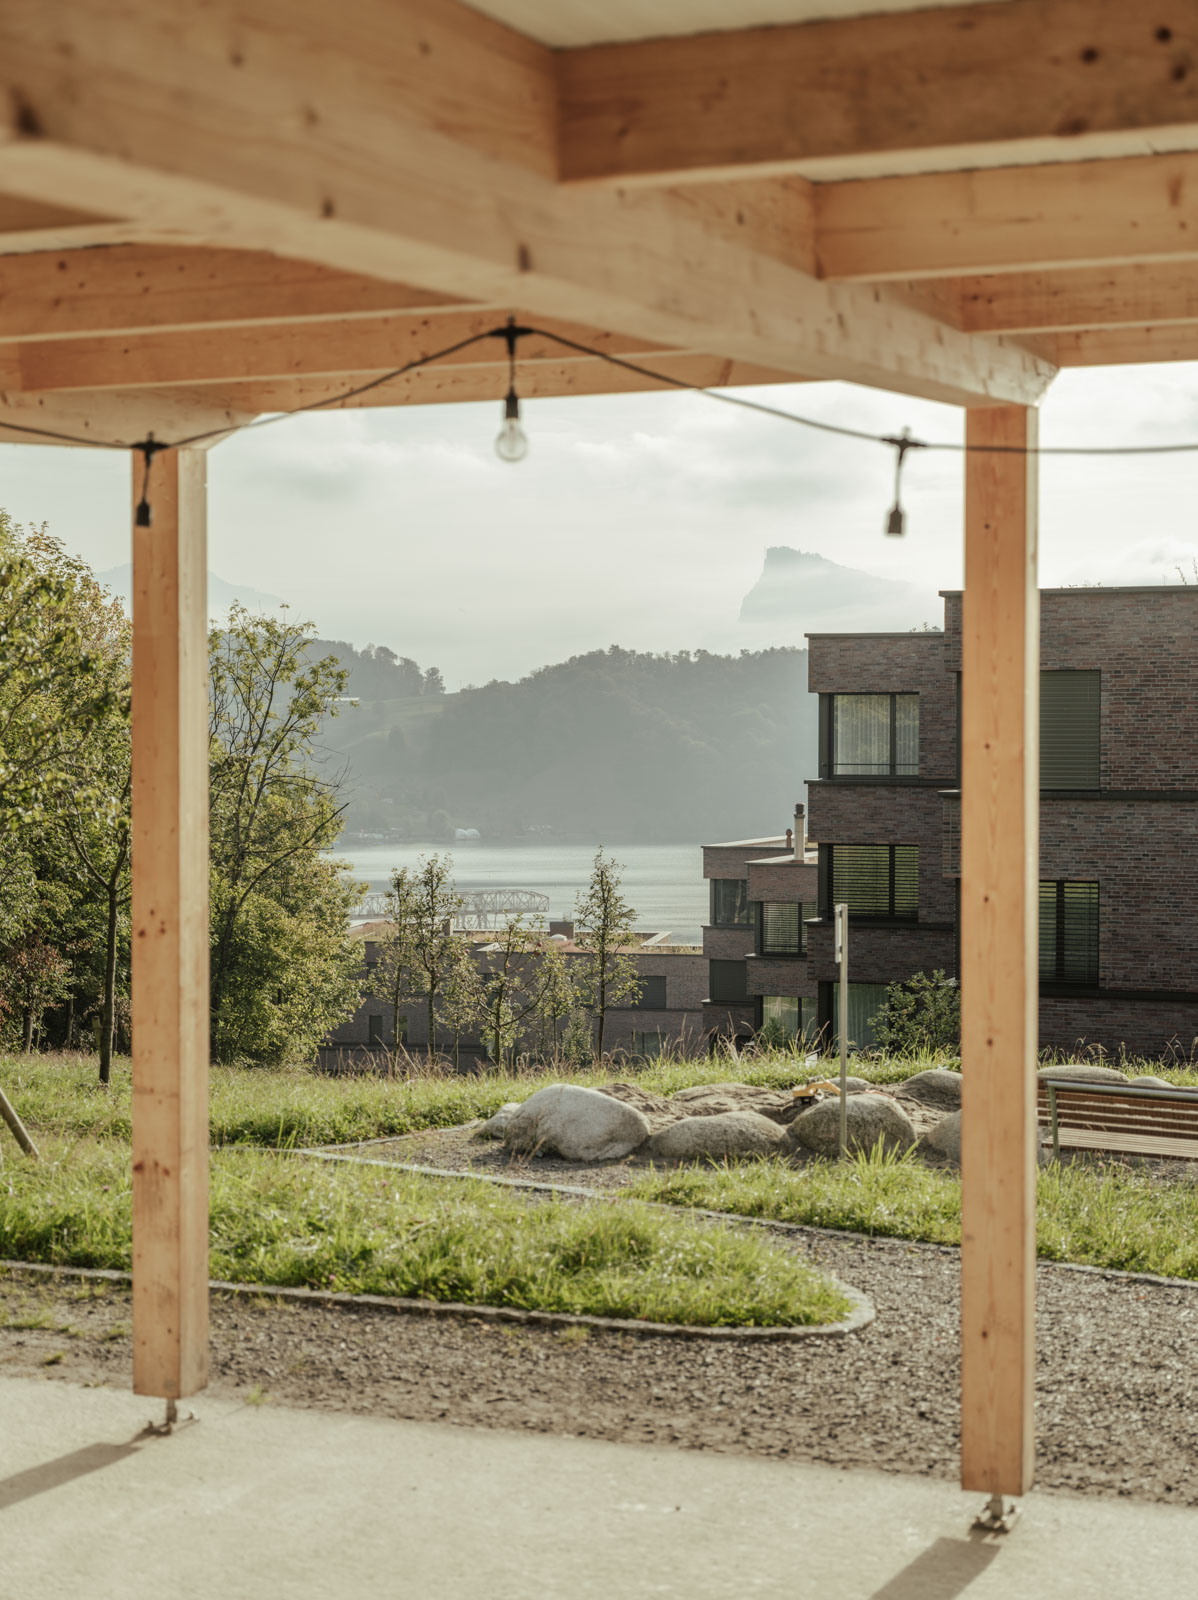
{"x": 936, "y": 1087}
{"x": 871, "y": 1117}
{"x": 576, "y": 1124}
{"x": 495, "y": 1127}
{"x": 719, "y": 1099}
{"x": 1084, "y": 1073}
{"x": 944, "y": 1140}
{"x": 725, "y": 1137}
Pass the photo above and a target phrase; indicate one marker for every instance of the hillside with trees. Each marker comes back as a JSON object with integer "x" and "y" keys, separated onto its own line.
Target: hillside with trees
{"x": 617, "y": 743}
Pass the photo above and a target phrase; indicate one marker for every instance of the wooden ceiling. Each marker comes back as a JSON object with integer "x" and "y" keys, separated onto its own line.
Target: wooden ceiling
{"x": 213, "y": 208}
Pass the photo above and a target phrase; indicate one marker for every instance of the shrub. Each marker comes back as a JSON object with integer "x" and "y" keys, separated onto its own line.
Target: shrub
{"x": 921, "y": 1014}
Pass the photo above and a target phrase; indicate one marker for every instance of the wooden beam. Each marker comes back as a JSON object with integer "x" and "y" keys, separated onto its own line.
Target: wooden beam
{"x": 29, "y": 224}
{"x": 949, "y": 87}
{"x": 1020, "y": 218}
{"x": 364, "y": 345}
{"x": 131, "y": 288}
{"x": 170, "y": 931}
{"x": 117, "y": 415}
{"x": 1111, "y": 347}
{"x": 1078, "y": 298}
{"x": 417, "y": 184}
{"x": 1000, "y": 797}
{"x": 545, "y": 379}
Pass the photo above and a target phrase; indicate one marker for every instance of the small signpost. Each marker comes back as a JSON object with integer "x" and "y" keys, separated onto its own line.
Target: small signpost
{"x": 841, "y": 925}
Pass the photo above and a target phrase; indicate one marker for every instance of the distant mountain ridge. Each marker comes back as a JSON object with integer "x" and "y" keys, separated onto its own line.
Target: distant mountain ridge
{"x": 800, "y": 592}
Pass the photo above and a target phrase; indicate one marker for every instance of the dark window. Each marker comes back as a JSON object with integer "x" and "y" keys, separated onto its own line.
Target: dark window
{"x": 652, "y": 996}
{"x": 374, "y": 1030}
{"x": 870, "y": 736}
{"x": 730, "y": 903}
{"x": 873, "y": 880}
{"x": 783, "y": 930}
{"x": 372, "y": 953}
{"x": 727, "y": 982}
{"x": 1069, "y": 933}
{"x": 649, "y": 1045}
{"x": 1070, "y": 721}
{"x": 794, "y": 1016}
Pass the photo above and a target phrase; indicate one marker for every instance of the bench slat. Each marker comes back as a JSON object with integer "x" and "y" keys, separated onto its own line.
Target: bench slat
{"x": 1128, "y": 1143}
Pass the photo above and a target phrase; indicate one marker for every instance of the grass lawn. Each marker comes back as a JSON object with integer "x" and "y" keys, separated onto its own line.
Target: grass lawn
{"x": 282, "y": 1221}
{"x": 296, "y": 1107}
{"x": 1111, "y": 1216}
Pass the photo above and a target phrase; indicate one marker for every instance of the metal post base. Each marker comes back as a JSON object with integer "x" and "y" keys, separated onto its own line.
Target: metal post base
{"x": 161, "y": 1430}
{"x": 996, "y": 1516}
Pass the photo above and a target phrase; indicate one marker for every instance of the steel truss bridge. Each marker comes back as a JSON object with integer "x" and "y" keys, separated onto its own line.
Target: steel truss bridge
{"x": 479, "y": 909}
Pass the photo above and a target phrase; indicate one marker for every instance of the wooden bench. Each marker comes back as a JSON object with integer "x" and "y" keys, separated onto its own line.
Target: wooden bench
{"x": 1146, "y": 1121}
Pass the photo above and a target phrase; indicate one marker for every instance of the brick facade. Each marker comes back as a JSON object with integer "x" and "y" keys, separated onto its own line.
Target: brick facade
{"x": 1136, "y": 836}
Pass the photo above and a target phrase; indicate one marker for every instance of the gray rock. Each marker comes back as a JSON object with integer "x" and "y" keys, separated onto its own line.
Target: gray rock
{"x": 870, "y": 1117}
{"x": 936, "y": 1087}
{"x": 495, "y": 1127}
{"x": 1149, "y": 1082}
{"x": 719, "y": 1099}
{"x": 1084, "y": 1074}
{"x": 944, "y": 1140}
{"x": 576, "y": 1124}
{"x": 718, "y": 1138}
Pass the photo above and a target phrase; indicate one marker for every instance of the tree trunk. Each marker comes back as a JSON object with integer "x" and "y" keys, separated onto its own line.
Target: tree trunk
{"x": 432, "y": 1025}
{"x": 28, "y": 1039}
{"x": 109, "y": 1008}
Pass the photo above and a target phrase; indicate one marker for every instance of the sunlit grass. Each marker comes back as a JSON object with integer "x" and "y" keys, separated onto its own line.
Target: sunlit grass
{"x": 289, "y": 1221}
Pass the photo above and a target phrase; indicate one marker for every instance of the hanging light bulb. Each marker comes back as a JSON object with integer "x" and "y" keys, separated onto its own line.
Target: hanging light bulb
{"x": 896, "y": 518}
{"x": 511, "y": 443}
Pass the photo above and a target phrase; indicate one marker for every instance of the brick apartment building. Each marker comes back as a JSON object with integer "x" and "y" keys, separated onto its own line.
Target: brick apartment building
{"x": 668, "y": 1013}
{"x": 762, "y": 893}
{"x": 1118, "y": 815}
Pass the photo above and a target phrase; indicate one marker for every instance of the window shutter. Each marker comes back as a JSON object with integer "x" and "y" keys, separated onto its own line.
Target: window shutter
{"x": 727, "y": 982}
{"x": 1070, "y": 718}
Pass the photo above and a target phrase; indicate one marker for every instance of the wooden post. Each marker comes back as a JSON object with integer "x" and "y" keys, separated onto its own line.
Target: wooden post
{"x": 1000, "y": 800}
{"x": 170, "y": 930}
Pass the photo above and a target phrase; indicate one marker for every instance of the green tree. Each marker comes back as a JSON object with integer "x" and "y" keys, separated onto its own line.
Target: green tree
{"x": 34, "y": 975}
{"x": 282, "y": 964}
{"x": 557, "y": 998}
{"x": 423, "y": 904}
{"x": 463, "y": 1001}
{"x": 513, "y": 983}
{"x": 607, "y": 974}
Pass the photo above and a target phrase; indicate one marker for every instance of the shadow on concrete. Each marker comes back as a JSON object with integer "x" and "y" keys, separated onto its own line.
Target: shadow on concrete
{"x": 942, "y": 1572}
{"x": 52, "y": 1474}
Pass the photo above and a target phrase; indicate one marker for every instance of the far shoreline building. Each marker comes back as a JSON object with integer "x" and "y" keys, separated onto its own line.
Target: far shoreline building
{"x": 1118, "y": 815}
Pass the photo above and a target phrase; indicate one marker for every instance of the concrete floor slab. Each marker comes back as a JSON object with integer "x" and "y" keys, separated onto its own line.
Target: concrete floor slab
{"x": 253, "y": 1501}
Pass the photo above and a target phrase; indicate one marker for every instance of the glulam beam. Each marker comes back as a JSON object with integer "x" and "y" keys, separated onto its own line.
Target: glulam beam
{"x": 335, "y": 140}
{"x": 936, "y": 89}
{"x": 132, "y": 288}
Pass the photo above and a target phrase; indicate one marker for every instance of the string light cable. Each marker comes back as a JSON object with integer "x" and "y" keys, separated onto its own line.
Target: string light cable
{"x": 512, "y": 442}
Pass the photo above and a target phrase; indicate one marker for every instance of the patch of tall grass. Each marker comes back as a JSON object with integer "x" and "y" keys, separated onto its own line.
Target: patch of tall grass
{"x": 1111, "y": 1215}
{"x": 290, "y": 1222}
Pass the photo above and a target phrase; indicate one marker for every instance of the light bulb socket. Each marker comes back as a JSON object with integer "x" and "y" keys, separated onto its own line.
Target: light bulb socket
{"x": 896, "y": 522}
{"x": 142, "y": 517}
{"x": 511, "y": 406}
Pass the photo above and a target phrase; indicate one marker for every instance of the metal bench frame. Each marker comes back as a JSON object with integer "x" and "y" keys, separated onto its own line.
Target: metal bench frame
{"x": 1129, "y": 1090}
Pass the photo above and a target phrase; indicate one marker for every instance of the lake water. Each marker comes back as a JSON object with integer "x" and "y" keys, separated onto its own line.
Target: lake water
{"x": 662, "y": 882}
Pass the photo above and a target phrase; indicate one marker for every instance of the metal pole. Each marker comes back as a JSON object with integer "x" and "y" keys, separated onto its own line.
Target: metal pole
{"x": 841, "y": 914}
{"x": 19, "y": 1132}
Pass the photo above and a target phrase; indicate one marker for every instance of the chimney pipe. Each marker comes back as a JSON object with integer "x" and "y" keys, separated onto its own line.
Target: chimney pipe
{"x": 800, "y": 834}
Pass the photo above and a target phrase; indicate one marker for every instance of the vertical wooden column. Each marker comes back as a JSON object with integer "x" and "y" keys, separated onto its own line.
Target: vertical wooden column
{"x": 170, "y": 930}
{"x": 1000, "y": 841}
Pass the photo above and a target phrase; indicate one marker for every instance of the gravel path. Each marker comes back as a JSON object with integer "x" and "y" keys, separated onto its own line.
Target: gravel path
{"x": 1117, "y": 1394}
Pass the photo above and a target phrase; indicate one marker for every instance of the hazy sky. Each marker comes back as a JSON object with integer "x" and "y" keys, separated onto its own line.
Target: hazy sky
{"x": 637, "y": 520}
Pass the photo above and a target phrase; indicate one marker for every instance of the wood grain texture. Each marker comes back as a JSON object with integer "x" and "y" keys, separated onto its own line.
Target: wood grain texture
{"x": 170, "y": 931}
{"x": 217, "y": 140}
{"x": 1000, "y": 680}
{"x": 963, "y": 86}
{"x": 1075, "y": 214}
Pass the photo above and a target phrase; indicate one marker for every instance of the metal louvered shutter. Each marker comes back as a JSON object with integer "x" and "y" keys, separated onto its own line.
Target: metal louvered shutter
{"x": 1070, "y": 730}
